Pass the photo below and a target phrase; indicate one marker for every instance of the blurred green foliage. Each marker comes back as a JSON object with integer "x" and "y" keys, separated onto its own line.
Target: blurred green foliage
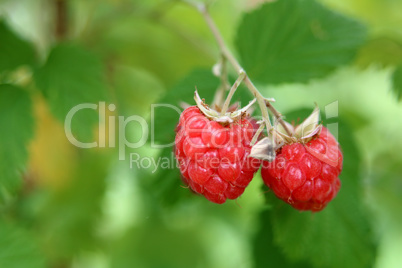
{"x": 12, "y": 43}
{"x": 75, "y": 82}
{"x": 397, "y": 81}
{"x": 63, "y": 206}
{"x": 17, "y": 248}
{"x": 16, "y": 117}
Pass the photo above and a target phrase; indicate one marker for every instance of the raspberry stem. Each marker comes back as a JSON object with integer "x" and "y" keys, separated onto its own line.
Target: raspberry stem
{"x": 232, "y": 91}
{"x": 262, "y": 102}
{"x": 278, "y": 116}
{"x": 224, "y": 83}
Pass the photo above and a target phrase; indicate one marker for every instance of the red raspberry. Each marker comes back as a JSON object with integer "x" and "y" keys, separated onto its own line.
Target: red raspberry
{"x": 306, "y": 175}
{"x": 213, "y": 158}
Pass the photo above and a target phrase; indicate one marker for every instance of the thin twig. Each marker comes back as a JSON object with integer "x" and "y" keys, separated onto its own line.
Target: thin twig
{"x": 278, "y": 117}
{"x": 231, "y": 92}
{"x": 202, "y": 8}
{"x": 262, "y": 102}
{"x": 218, "y": 37}
{"x": 223, "y": 86}
{"x": 61, "y": 19}
{"x": 224, "y": 75}
{"x": 257, "y": 134}
{"x": 236, "y": 65}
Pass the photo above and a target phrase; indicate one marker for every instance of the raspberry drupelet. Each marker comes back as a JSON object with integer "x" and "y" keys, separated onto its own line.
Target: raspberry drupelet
{"x": 306, "y": 175}
{"x": 213, "y": 157}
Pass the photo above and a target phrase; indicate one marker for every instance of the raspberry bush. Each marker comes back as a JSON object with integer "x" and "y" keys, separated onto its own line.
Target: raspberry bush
{"x": 215, "y": 147}
{"x": 107, "y": 159}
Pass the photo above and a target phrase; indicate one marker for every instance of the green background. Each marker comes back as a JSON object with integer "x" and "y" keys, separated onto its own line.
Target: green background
{"x": 63, "y": 206}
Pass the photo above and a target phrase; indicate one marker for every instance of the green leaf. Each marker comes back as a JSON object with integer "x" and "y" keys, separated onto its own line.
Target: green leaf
{"x": 16, "y": 131}
{"x": 18, "y": 248}
{"x": 295, "y": 41}
{"x": 14, "y": 51}
{"x": 397, "y": 82}
{"x": 340, "y": 235}
{"x": 73, "y": 76}
{"x": 167, "y": 113}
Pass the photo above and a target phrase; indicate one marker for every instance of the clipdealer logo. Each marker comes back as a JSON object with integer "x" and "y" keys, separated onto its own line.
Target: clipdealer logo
{"x": 107, "y": 137}
{"x": 121, "y": 140}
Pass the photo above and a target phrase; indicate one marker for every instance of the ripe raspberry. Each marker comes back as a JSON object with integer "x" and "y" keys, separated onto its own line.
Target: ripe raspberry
{"x": 213, "y": 158}
{"x": 306, "y": 175}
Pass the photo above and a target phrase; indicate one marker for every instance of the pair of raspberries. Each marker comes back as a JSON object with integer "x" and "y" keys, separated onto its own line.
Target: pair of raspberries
{"x": 213, "y": 161}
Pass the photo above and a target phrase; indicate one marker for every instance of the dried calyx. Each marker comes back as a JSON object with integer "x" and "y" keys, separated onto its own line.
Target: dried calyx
{"x": 303, "y": 133}
{"x": 228, "y": 117}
